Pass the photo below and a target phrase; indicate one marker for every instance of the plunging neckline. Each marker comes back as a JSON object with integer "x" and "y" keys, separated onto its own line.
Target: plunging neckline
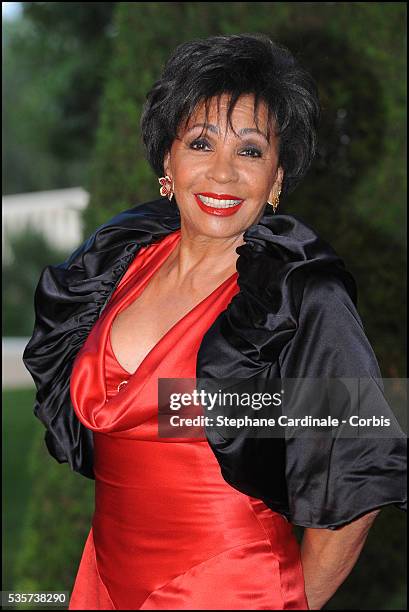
{"x": 173, "y": 356}
{"x": 167, "y": 333}
{"x": 151, "y": 352}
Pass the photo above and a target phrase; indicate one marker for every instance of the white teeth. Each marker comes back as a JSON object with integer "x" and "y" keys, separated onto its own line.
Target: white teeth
{"x": 218, "y": 203}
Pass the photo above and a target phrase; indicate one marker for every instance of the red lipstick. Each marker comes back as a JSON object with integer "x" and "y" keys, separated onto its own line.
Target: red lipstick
{"x": 219, "y": 212}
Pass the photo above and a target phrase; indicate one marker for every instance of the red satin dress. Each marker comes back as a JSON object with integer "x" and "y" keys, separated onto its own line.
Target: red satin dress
{"x": 168, "y": 533}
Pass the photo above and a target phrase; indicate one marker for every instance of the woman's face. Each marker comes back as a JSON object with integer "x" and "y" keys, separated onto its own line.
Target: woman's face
{"x": 223, "y": 181}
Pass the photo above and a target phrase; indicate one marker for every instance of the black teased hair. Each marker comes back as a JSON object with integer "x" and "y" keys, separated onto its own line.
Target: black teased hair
{"x": 236, "y": 64}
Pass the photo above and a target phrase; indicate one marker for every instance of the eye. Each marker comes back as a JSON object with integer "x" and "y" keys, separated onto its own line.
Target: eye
{"x": 254, "y": 152}
{"x": 200, "y": 143}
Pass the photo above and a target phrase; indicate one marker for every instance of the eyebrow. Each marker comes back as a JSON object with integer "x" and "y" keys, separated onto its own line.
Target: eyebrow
{"x": 215, "y": 129}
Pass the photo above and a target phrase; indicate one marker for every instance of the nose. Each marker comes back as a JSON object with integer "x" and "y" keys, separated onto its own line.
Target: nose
{"x": 221, "y": 168}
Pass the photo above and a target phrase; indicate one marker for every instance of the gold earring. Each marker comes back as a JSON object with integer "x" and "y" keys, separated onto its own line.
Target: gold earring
{"x": 167, "y": 187}
{"x": 276, "y": 201}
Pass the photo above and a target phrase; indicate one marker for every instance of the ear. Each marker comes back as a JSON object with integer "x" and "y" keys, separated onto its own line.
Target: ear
{"x": 277, "y": 184}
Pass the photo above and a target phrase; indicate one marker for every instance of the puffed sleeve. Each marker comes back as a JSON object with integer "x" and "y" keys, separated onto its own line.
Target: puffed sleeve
{"x": 65, "y": 309}
{"x": 333, "y": 480}
{"x": 68, "y": 300}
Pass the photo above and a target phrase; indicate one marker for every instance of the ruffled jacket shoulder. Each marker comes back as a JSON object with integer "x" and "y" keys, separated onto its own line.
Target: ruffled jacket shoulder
{"x": 294, "y": 316}
{"x": 282, "y": 263}
{"x": 68, "y": 300}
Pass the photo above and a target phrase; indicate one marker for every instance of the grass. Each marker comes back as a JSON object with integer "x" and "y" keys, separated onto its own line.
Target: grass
{"x": 20, "y": 429}
{"x": 47, "y": 508}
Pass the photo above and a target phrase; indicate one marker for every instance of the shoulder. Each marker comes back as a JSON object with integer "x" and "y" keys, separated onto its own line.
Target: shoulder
{"x": 130, "y": 229}
{"x": 289, "y": 270}
{"x": 68, "y": 300}
{"x": 308, "y": 289}
{"x": 78, "y": 288}
{"x": 330, "y": 340}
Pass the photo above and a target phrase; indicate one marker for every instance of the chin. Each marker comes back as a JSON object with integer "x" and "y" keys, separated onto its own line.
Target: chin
{"x": 224, "y": 227}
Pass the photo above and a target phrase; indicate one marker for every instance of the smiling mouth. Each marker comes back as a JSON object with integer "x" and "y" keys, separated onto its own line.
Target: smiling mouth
{"x": 222, "y": 205}
{"x": 219, "y": 203}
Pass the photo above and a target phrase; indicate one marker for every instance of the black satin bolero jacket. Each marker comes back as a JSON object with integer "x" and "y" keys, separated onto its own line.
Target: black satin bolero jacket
{"x": 294, "y": 316}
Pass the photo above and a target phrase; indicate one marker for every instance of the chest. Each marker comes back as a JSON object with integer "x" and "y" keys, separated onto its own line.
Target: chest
{"x": 138, "y": 328}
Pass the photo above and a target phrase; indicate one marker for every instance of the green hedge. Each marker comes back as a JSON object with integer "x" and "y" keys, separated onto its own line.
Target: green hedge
{"x": 57, "y": 523}
{"x": 30, "y": 253}
{"x": 59, "y": 515}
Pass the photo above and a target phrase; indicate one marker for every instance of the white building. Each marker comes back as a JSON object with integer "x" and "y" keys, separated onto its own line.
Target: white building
{"x": 55, "y": 214}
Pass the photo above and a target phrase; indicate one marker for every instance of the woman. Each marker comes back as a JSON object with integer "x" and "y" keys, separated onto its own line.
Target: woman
{"x": 207, "y": 282}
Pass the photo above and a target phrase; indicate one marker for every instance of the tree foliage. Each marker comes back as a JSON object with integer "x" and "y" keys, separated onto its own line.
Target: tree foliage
{"x": 56, "y": 525}
{"x": 30, "y": 254}
{"x": 54, "y": 67}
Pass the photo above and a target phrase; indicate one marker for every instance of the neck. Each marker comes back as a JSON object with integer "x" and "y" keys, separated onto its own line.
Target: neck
{"x": 204, "y": 255}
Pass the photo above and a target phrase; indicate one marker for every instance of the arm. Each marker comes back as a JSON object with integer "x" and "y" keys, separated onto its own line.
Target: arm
{"x": 328, "y": 557}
